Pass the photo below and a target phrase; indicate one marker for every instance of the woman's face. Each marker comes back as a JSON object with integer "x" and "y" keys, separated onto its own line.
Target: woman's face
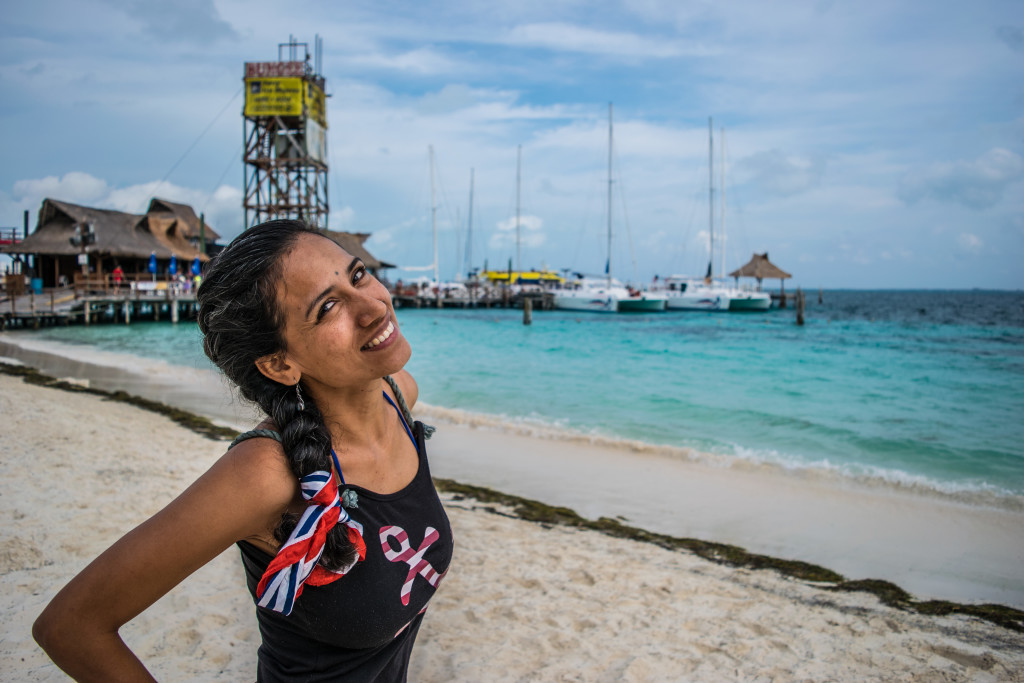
{"x": 339, "y": 328}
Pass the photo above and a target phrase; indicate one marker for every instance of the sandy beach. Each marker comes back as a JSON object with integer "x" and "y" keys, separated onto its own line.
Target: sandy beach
{"x": 523, "y": 602}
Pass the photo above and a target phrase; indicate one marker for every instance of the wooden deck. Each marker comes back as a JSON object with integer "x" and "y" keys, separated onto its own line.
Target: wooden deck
{"x": 62, "y": 306}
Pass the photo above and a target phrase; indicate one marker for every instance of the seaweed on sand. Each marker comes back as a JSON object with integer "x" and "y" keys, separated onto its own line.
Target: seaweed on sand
{"x": 888, "y": 593}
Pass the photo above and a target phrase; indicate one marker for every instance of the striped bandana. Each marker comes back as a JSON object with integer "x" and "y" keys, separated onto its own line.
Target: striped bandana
{"x": 296, "y": 562}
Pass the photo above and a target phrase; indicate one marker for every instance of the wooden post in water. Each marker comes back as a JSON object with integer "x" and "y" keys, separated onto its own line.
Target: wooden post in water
{"x": 799, "y": 306}
{"x": 87, "y": 312}
{"x": 527, "y": 310}
{"x": 821, "y": 296}
{"x": 174, "y": 309}
{"x": 127, "y": 312}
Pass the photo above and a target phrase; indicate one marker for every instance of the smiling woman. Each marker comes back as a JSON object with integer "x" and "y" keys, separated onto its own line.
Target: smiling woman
{"x": 334, "y": 511}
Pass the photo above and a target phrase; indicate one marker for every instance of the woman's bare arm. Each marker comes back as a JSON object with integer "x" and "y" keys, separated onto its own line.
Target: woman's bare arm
{"x": 241, "y": 496}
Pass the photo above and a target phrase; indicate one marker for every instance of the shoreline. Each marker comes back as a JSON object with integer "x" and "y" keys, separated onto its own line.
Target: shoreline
{"x": 204, "y": 391}
{"x": 535, "y": 511}
{"x": 562, "y": 601}
{"x": 931, "y": 545}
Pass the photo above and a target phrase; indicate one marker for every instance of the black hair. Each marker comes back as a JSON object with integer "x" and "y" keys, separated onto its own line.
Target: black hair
{"x": 241, "y": 323}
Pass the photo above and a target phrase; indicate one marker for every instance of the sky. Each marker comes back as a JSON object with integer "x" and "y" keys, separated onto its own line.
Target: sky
{"x": 876, "y": 144}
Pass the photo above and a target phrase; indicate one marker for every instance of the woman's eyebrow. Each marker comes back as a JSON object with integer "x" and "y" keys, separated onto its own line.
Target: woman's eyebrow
{"x": 356, "y": 262}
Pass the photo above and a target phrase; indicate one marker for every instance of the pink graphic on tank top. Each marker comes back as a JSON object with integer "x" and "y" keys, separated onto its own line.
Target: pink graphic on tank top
{"x": 405, "y": 553}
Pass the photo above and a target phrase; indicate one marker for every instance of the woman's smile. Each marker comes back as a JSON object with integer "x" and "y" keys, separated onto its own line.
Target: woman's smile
{"x": 382, "y": 340}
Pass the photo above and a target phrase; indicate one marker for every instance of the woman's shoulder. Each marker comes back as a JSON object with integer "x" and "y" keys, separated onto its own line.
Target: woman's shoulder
{"x": 260, "y": 467}
{"x": 407, "y": 386}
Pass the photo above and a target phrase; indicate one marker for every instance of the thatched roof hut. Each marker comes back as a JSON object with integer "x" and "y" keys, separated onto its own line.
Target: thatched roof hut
{"x": 352, "y": 242}
{"x": 759, "y": 268}
{"x": 167, "y": 229}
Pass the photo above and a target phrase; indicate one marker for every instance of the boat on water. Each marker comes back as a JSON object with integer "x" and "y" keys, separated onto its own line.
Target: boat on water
{"x": 708, "y": 294}
{"x": 691, "y": 294}
{"x": 605, "y": 294}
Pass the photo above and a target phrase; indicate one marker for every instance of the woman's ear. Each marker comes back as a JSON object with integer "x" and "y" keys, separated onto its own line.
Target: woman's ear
{"x": 276, "y": 367}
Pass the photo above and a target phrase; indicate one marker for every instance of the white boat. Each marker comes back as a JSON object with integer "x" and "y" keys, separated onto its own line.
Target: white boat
{"x": 605, "y": 294}
{"x": 694, "y": 294}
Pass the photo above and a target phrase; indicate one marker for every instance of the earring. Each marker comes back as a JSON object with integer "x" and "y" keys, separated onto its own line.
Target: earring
{"x": 298, "y": 396}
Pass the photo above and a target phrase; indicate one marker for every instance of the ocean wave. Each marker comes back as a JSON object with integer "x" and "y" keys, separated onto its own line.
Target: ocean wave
{"x": 767, "y": 461}
{"x": 199, "y": 385}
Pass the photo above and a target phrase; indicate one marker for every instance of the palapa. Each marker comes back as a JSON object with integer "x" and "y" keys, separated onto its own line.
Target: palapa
{"x": 352, "y": 242}
{"x": 760, "y": 267}
{"x": 166, "y": 229}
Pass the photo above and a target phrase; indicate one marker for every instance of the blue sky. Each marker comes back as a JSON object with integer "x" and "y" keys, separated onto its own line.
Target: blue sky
{"x": 868, "y": 144}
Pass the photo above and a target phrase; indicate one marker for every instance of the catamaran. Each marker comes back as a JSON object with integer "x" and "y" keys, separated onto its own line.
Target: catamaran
{"x": 694, "y": 294}
{"x": 605, "y": 294}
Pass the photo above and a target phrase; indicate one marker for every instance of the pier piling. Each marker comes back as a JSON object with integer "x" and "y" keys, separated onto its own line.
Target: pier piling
{"x": 799, "y": 306}
{"x": 527, "y": 311}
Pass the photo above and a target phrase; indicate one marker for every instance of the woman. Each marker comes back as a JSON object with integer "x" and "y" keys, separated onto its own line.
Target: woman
{"x": 330, "y": 501}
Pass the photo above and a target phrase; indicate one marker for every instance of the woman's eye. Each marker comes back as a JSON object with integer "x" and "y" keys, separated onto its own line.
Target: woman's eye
{"x": 327, "y": 305}
{"x": 359, "y": 274}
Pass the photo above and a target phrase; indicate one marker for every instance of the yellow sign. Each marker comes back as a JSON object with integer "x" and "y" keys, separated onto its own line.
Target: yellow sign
{"x": 285, "y": 97}
{"x": 274, "y": 96}
{"x": 316, "y": 104}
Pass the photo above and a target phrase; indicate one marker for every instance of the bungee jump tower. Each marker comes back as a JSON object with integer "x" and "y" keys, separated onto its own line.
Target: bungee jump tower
{"x": 285, "y": 137}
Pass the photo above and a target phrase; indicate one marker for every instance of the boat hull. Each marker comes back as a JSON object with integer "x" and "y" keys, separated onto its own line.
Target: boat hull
{"x": 594, "y": 304}
{"x": 750, "y": 303}
{"x": 642, "y": 305}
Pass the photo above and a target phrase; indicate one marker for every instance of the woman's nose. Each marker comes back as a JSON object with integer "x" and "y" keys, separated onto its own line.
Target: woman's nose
{"x": 371, "y": 310}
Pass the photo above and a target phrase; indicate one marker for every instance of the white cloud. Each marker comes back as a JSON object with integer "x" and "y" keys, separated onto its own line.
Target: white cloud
{"x": 222, "y": 207}
{"x": 422, "y": 61}
{"x": 75, "y": 187}
{"x": 531, "y": 233}
{"x": 191, "y": 21}
{"x": 781, "y": 173}
{"x": 341, "y": 219}
{"x": 978, "y": 184}
{"x": 564, "y": 37}
{"x": 969, "y": 242}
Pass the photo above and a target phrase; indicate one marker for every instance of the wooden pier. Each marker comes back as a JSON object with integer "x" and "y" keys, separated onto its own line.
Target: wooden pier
{"x": 543, "y": 301}
{"x": 61, "y": 306}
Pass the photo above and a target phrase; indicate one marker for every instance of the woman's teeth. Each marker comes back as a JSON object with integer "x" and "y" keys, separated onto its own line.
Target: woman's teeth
{"x": 383, "y": 336}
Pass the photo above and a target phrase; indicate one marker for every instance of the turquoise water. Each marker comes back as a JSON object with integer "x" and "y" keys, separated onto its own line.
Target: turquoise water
{"x": 923, "y": 388}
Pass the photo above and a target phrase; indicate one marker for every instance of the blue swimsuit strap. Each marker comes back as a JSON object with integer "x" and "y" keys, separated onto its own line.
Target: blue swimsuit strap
{"x": 405, "y": 424}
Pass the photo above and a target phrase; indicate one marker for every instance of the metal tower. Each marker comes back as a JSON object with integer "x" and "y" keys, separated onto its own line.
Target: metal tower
{"x": 285, "y": 134}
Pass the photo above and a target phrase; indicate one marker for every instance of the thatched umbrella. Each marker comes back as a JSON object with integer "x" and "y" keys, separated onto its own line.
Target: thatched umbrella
{"x": 759, "y": 267}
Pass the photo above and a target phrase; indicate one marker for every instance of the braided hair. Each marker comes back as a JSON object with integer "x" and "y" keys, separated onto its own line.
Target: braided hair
{"x": 241, "y": 323}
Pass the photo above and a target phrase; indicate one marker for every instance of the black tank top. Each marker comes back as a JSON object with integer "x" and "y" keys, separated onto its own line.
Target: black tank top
{"x": 362, "y": 626}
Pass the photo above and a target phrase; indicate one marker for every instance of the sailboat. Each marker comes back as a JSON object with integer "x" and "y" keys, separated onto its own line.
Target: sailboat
{"x": 692, "y": 294}
{"x": 606, "y": 294}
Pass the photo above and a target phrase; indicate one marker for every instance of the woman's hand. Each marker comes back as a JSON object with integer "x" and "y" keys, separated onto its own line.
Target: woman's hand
{"x": 242, "y": 496}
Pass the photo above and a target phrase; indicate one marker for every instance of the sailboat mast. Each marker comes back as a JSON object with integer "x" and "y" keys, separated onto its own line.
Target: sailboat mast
{"x": 469, "y": 231}
{"x": 519, "y": 166}
{"x": 711, "y": 202}
{"x": 608, "y": 264}
{"x": 721, "y": 220}
{"x": 433, "y": 223}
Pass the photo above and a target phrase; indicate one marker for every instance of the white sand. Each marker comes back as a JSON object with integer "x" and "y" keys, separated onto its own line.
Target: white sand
{"x": 521, "y": 602}
{"x": 931, "y": 545}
